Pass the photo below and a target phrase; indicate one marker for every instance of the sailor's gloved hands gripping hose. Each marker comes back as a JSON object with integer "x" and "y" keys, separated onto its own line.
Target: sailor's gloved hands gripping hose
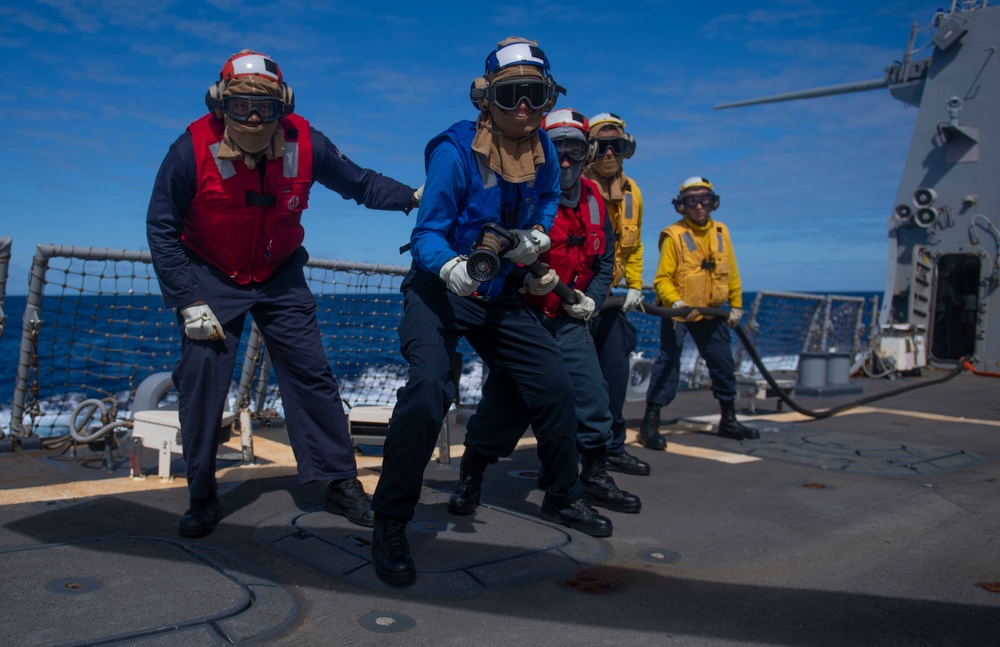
{"x": 735, "y": 314}
{"x": 455, "y": 274}
{"x": 530, "y": 243}
{"x": 632, "y": 300}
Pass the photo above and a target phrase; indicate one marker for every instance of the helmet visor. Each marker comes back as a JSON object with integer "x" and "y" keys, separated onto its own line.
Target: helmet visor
{"x": 573, "y": 149}
{"x": 507, "y": 95}
{"x": 616, "y": 144}
{"x": 692, "y": 201}
{"x": 240, "y": 106}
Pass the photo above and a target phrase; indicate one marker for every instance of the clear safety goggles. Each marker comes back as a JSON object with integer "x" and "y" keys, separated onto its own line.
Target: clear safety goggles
{"x": 705, "y": 199}
{"x": 573, "y": 149}
{"x": 617, "y": 144}
{"x": 507, "y": 95}
{"x": 241, "y": 106}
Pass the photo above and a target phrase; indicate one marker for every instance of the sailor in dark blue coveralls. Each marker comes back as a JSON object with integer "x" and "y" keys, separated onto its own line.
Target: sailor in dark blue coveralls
{"x": 225, "y": 236}
{"x": 500, "y": 170}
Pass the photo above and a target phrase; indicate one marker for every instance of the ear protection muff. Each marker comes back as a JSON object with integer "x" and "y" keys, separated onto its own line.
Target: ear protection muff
{"x": 213, "y": 98}
{"x": 477, "y": 93}
{"x": 629, "y": 146}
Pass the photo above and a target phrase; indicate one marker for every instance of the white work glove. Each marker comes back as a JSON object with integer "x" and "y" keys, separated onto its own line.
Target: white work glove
{"x": 456, "y": 274}
{"x": 200, "y": 323}
{"x": 632, "y": 300}
{"x": 540, "y": 286}
{"x": 680, "y": 303}
{"x": 531, "y": 243}
{"x": 582, "y": 309}
{"x": 419, "y": 193}
{"x": 735, "y": 314}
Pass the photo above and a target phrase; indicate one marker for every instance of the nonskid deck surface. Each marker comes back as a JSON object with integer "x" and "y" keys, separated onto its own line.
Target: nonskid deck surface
{"x": 821, "y": 533}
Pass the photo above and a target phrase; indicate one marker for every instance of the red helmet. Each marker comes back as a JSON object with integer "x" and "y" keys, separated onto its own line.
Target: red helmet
{"x": 248, "y": 63}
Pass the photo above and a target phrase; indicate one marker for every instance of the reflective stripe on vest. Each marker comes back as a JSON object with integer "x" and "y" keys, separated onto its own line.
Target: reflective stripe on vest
{"x": 595, "y": 211}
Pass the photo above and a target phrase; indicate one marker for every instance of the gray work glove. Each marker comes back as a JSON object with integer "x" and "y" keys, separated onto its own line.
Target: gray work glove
{"x": 531, "y": 243}
{"x": 632, "y": 300}
{"x": 540, "y": 286}
{"x": 582, "y": 309}
{"x": 735, "y": 314}
{"x": 200, "y": 323}
{"x": 455, "y": 273}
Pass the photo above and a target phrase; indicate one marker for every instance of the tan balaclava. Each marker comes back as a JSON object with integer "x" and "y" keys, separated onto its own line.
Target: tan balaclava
{"x": 606, "y": 171}
{"x": 247, "y": 142}
{"x": 511, "y": 146}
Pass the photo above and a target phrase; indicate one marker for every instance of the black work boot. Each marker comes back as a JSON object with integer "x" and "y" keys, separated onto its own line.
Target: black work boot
{"x": 348, "y": 498}
{"x": 201, "y": 516}
{"x": 465, "y": 498}
{"x": 649, "y": 430}
{"x": 627, "y": 464}
{"x": 730, "y": 427}
{"x": 601, "y": 490}
{"x": 391, "y": 551}
{"x": 578, "y": 516}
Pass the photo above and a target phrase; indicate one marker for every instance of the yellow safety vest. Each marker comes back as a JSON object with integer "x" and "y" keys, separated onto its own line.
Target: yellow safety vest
{"x": 702, "y": 276}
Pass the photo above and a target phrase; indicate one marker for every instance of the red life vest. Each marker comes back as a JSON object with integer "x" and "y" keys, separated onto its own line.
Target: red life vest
{"x": 245, "y": 226}
{"x": 577, "y": 236}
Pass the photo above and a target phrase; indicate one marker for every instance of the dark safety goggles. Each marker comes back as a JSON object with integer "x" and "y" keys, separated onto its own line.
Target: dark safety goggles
{"x": 573, "y": 149}
{"x": 507, "y": 95}
{"x": 241, "y": 106}
{"x": 706, "y": 199}
{"x": 618, "y": 144}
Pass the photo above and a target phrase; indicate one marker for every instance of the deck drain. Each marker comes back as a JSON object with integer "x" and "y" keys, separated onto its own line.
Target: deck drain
{"x": 587, "y": 582}
{"x": 428, "y": 526}
{"x": 660, "y": 556}
{"x": 387, "y": 622}
{"x": 73, "y": 585}
{"x": 524, "y": 474}
{"x": 992, "y": 587}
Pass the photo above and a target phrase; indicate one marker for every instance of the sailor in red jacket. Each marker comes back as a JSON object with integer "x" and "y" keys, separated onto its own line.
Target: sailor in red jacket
{"x": 582, "y": 256}
{"x": 225, "y": 235}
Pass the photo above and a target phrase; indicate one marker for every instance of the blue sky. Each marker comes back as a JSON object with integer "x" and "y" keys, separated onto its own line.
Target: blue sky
{"x": 96, "y": 91}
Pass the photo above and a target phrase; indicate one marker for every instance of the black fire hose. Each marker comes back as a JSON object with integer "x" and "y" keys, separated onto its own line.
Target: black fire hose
{"x": 494, "y": 241}
{"x": 615, "y": 302}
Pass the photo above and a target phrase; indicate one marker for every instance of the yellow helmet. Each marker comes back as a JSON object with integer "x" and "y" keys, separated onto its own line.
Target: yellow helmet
{"x": 694, "y": 182}
{"x": 624, "y": 146}
{"x": 607, "y": 118}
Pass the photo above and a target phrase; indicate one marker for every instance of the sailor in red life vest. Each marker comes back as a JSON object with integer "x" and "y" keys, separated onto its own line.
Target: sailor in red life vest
{"x": 582, "y": 256}
{"x": 224, "y": 233}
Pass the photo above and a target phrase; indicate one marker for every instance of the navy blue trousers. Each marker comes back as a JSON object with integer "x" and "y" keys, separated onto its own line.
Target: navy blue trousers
{"x": 712, "y": 337}
{"x": 507, "y": 337}
{"x": 502, "y": 416}
{"x": 615, "y": 338}
{"x": 285, "y": 311}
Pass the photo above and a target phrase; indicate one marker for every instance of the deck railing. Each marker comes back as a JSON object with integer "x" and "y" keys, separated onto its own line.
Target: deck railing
{"x": 95, "y": 327}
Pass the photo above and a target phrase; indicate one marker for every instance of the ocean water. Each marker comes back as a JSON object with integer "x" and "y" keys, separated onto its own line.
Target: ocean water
{"x": 103, "y": 346}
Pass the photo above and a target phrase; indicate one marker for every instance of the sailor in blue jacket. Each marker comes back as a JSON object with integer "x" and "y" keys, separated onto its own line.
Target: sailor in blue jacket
{"x": 501, "y": 170}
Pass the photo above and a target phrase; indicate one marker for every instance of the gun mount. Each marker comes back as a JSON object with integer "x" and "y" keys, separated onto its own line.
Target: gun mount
{"x": 944, "y": 230}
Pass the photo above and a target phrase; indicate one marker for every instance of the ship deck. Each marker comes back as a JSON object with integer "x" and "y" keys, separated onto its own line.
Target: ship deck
{"x": 877, "y": 526}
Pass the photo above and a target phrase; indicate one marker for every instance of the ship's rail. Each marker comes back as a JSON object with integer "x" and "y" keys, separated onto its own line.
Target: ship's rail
{"x": 5, "y": 244}
{"x": 95, "y": 327}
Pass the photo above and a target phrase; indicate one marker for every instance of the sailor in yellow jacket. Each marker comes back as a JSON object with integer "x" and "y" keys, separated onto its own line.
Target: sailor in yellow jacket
{"x": 697, "y": 268}
{"x": 614, "y": 335}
